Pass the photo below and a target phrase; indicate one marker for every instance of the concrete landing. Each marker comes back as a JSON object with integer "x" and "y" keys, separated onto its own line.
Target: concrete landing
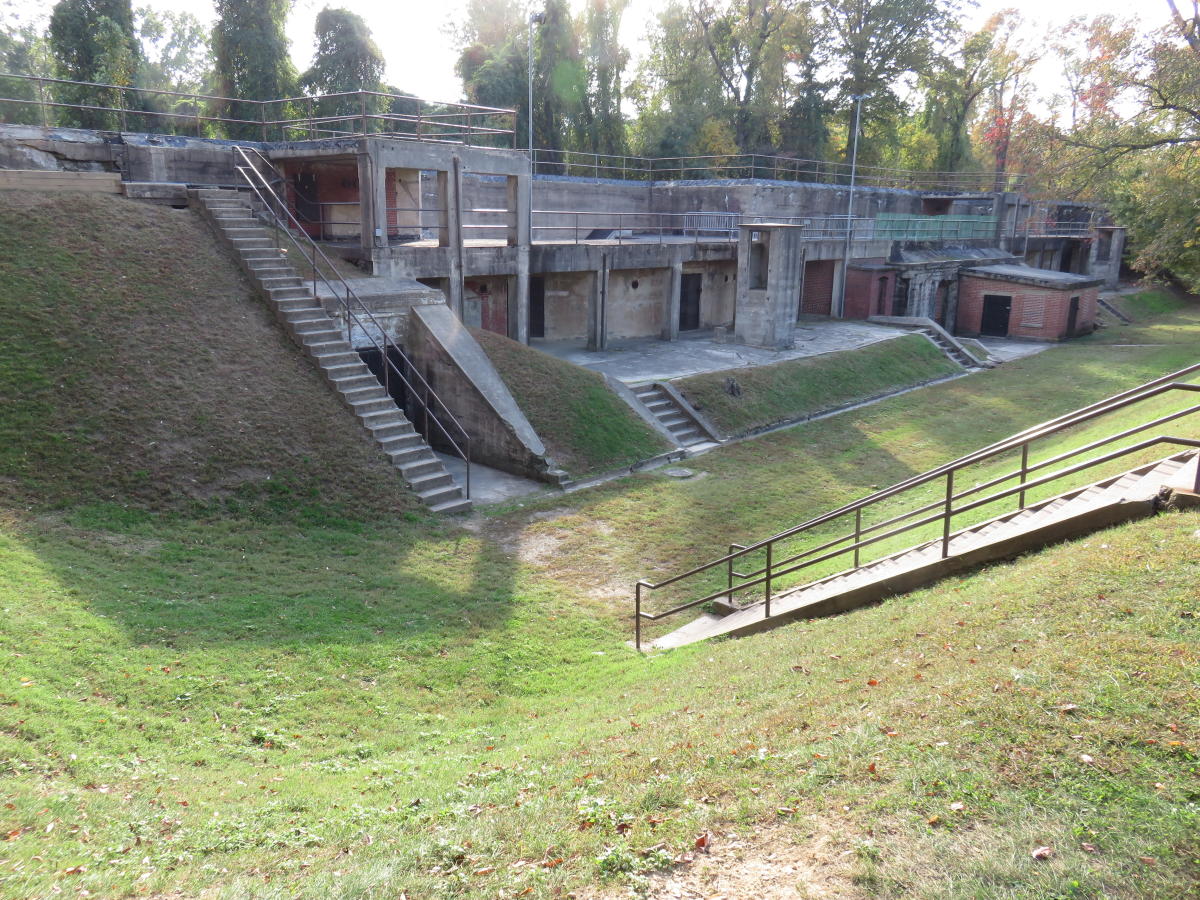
{"x": 638, "y": 360}
{"x": 490, "y": 485}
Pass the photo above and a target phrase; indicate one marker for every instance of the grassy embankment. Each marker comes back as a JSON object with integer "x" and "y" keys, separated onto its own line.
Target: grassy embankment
{"x": 587, "y": 428}
{"x": 803, "y": 387}
{"x": 249, "y": 692}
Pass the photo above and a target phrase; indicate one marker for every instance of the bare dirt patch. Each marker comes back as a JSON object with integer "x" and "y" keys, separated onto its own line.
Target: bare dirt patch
{"x": 771, "y": 862}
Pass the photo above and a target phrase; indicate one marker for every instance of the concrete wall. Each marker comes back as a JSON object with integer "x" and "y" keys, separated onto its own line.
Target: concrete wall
{"x": 1038, "y": 313}
{"x": 485, "y": 304}
{"x": 568, "y": 304}
{"x": 636, "y": 302}
{"x": 462, "y": 375}
{"x": 718, "y": 291}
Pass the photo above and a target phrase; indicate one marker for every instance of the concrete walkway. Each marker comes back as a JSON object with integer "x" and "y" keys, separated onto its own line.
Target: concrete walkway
{"x": 490, "y": 485}
{"x": 637, "y": 360}
{"x": 1005, "y": 350}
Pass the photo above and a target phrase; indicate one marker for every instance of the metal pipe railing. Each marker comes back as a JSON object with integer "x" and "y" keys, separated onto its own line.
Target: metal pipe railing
{"x": 949, "y": 506}
{"x": 422, "y": 393}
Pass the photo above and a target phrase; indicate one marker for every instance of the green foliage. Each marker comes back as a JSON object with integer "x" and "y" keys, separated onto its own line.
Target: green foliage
{"x": 347, "y": 60}
{"x": 250, "y": 47}
{"x": 94, "y": 41}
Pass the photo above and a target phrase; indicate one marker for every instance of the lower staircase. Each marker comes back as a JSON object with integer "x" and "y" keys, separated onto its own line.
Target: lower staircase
{"x": 309, "y": 325}
{"x": 675, "y": 415}
{"x": 846, "y": 533}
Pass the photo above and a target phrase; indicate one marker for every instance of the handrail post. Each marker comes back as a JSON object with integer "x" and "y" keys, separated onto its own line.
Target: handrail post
{"x": 767, "y": 584}
{"x": 1024, "y": 473}
{"x": 637, "y": 616}
{"x": 946, "y": 514}
{"x": 857, "y": 533}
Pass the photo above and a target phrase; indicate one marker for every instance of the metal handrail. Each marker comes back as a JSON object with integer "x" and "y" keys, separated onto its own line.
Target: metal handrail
{"x": 450, "y": 121}
{"x": 430, "y": 411}
{"x": 772, "y": 570}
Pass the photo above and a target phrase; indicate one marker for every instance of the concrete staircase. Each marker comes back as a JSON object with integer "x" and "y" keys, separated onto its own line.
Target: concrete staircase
{"x": 1107, "y": 306}
{"x": 941, "y": 339}
{"x": 1133, "y": 494}
{"x": 952, "y": 349}
{"x": 675, "y": 415}
{"x": 308, "y": 324}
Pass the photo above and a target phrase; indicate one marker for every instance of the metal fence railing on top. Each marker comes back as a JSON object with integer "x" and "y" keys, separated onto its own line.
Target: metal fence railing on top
{"x": 765, "y": 167}
{"x": 58, "y": 102}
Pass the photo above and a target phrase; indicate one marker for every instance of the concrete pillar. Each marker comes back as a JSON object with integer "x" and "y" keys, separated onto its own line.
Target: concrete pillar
{"x": 367, "y": 202}
{"x": 521, "y": 324}
{"x": 670, "y": 329}
{"x": 839, "y": 275}
{"x": 597, "y": 307}
{"x": 450, "y": 231}
{"x": 1116, "y": 253}
{"x": 517, "y": 206}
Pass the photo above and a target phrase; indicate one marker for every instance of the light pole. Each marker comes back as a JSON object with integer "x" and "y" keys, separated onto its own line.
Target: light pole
{"x": 841, "y": 308}
{"x": 534, "y": 19}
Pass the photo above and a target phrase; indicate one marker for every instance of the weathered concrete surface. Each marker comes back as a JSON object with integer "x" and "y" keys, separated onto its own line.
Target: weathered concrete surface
{"x": 770, "y": 280}
{"x": 464, "y": 377}
{"x": 649, "y": 359}
{"x": 490, "y": 485}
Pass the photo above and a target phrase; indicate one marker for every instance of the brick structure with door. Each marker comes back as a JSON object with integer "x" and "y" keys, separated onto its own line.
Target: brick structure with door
{"x": 1022, "y": 302}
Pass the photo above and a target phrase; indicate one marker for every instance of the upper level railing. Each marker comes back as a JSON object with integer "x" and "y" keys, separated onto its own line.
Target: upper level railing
{"x": 436, "y": 419}
{"x": 788, "y": 552}
{"x": 760, "y": 166}
{"x": 33, "y": 100}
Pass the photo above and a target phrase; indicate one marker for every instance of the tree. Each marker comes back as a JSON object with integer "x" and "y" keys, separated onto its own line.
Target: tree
{"x": 953, "y": 88}
{"x": 742, "y": 41}
{"x": 1009, "y": 65}
{"x": 603, "y": 126}
{"x": 871, "y": 44}
{"x": 23, "y": 51}
{"x": 252, "y": 61}
{"x": 347, "y": 60}
{"x": 94, "y": 41}
{"x": 176, "y": 58}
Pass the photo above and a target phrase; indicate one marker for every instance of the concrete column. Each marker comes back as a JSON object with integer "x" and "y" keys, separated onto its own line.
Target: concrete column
{"x": 839, "y": 274}
{"x": 597, "y": 307}
{"x": 367, "y": 219}
{"x": 521, "y": 323}
{"x": 670, "y": 329}
{"x": 450, "y": 234}
{"x": 1116, "y": 253}
{"x": 517, "y": 205}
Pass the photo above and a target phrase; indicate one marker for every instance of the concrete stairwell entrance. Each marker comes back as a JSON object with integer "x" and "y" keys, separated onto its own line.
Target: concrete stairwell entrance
{"x": 961, "y": 516}
{"x": 308, "y": 324}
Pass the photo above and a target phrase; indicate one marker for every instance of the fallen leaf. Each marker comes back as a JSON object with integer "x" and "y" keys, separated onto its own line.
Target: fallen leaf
{"x": 1088, "y": 848}
{"x": 1043, "y": 853}
{"x": 704, "y": 842}
{"x": 871, "y": 768}
{"x": 958, "y": 806}
{"x": 933, "y": 820}
{"x": 1068, "y": 708}
{"x": 1084, "y": 758}
{"x": 873, "y": 682}
{"x": 1148, "y": 860}
{"x": 486, "y": 870}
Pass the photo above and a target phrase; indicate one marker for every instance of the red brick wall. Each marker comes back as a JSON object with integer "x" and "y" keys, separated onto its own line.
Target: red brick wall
{"x": 493, "y": 296}
{"x": 817, "y": 296}
{"x": 862, "y": 293}
{"x": 1037, "y": 312}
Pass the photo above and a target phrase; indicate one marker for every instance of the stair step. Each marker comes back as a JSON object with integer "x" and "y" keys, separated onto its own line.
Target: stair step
{"x": 449, "y": 507}
{"x": 429, "y": 481}
{"x": 420, "y": 468}
{"x": 371, "y": 406}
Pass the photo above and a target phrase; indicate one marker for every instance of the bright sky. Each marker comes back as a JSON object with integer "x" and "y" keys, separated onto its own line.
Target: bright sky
{"x": 420, "y": 54}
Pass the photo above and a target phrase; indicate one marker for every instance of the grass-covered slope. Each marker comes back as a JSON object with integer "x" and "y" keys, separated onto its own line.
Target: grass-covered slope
{"x": 137, "y": 366}
{"x": 801, "y": 387}
{"x": 586, "y": 428}
{"x": 345, "y": 704}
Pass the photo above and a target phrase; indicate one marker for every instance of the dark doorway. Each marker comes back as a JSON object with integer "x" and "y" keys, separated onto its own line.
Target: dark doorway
{"x": 881, "y": 301}
{"x": 689, "y": 302}
{"x": 395, "y": 385}
{"x": 1068, "y": 258}
{"x": 304, "y": 185}
{"x": 537, "y": 307}
{"x": 900, "y": 298}
{"x": 1073, "y": 317}
{"x": 996, "y": 310}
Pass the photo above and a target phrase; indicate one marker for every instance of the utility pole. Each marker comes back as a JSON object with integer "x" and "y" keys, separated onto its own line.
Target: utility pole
{"x": 536, "y": 18}
{"x": 841, "y": 306}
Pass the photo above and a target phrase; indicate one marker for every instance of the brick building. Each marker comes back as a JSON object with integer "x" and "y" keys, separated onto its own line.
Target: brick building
{"x": 1021, "y": 302}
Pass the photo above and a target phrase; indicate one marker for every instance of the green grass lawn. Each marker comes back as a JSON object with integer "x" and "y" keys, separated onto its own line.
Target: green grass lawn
{"x": 587, "y": 429}
{"x": 249, "y": 691}
{"x": 797, "y": 388}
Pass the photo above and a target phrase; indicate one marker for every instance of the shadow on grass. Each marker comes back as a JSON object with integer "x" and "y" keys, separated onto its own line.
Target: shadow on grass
{"x": 182, "y": 583}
